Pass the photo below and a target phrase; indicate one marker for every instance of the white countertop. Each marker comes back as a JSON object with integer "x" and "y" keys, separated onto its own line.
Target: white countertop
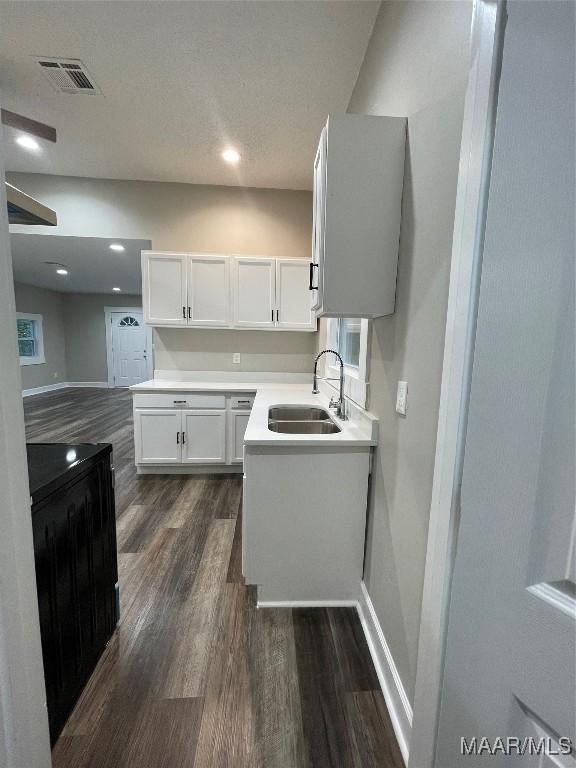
{"x": 359, "y": 430}
{"x": 353, "y": 431}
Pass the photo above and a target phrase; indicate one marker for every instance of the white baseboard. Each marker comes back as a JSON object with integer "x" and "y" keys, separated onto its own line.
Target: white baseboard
{"x": 92, "y": 384}
{"x": 307, "y": 603}
{"x": 47, "y": 388}
{"x": 188, "y": 469}
{"x": 397, "y": 701}
{"x": 64, "y": 385}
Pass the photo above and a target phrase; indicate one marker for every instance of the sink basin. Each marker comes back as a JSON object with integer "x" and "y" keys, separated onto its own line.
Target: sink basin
{"x": 298, "y": 413}
{"x": 304, "y": 427}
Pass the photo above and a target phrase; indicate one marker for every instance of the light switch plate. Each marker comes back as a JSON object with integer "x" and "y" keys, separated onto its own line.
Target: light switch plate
{"x": 236, "y": 357}
{"x": 402, "y": 398}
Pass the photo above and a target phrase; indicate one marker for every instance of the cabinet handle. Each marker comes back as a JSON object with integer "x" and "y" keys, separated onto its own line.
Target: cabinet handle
{"x": 179, "y": 402}
{"x": 177, "y": 438}
{"x": 272, "y": 315}
{"x": 184, "y": 312}
{"x": 277, "y": 315}
{"x": 312, "y": 287}
{"x": 189, "y": 314}
{"x": 183, "y": 438}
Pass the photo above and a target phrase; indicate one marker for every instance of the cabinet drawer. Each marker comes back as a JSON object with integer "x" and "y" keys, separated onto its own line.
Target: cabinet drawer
{"x": 241, "y": 402}
{"x": 179, "y": 400}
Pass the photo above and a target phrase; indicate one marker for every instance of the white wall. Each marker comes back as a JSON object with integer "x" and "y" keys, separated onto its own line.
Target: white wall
{"x": 416, "y": 65}
{"x": 50, "y": 305}
{"x": 188, "y": 217}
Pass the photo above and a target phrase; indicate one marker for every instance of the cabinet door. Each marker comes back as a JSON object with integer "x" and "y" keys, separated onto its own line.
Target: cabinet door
{"x": 238, "y": 424}
{"x": 318, "y": 223}
{"x": 164, "y": 288}
{"x": 293, "y": 297}
{"x": 209, "y": 290}
{"x": 254, "y": 292}
{"x": 158, "y": 436}
{"x": 204, "y": 437}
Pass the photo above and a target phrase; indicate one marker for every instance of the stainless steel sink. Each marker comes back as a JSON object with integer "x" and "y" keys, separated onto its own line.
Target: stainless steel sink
{"x": 304, "y": 427}
{"x": 298, "y": 413}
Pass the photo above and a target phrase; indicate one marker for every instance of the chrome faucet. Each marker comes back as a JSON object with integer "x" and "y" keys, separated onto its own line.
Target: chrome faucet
{"x": 338, "y": 405}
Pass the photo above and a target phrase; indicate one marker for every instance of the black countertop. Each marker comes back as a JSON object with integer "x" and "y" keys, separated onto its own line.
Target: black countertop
{"x": 51, "y": 465}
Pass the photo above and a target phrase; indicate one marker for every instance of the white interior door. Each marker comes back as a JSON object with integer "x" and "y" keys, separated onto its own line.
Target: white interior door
{"x": 129, "y": 348}
{"x": 254, "y": 292}
{"x": 158, "y": 436}
{"x": 208, "y": 290}
{"x": 204, "y": 437}
{"x": 511, "y": 643}
{"x": 293, "y": 296}
{"x": 164, "y": 288}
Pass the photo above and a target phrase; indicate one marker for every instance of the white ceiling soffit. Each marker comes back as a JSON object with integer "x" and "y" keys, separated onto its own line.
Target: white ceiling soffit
{"x": 92, "y": 266}
{"x": 180, "y": 81}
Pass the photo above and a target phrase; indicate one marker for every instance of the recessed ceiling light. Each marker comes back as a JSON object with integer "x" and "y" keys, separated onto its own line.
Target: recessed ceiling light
{"x": 28, "y": 143}
{"x": 231, "y": 155}
{"x": 116, "y": 247}
{"x": 117, "y": 289}
{"x": 61, "y": 271}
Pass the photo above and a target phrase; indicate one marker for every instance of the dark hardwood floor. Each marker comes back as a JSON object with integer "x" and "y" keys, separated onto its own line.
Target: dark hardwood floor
{"x": 195, "y": 675}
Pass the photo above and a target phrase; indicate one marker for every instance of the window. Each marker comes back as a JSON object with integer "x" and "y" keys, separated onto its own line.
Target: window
{"x": 348, "y": 340}
{"x": 351, "y": 337}
{"x": 30, "y": 338}
{"x": 129, "y": 321}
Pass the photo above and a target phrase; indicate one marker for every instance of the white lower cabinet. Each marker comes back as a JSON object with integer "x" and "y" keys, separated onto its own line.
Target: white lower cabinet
{"x": 238, "y": 423}
{"x": 304, "y": 519}
{"x": 204, "y": 437}
{"x": 190, "y": 429}
{"x": 157, "y": 436}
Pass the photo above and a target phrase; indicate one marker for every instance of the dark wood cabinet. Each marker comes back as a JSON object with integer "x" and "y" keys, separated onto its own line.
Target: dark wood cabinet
{"x": 76, "y": 571}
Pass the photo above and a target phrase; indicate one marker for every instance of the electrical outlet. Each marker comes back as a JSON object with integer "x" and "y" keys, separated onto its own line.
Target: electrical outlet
{"x": 402, "y": 398}
{"x": 55, "y": 374}
{"x": 236, "y": 358}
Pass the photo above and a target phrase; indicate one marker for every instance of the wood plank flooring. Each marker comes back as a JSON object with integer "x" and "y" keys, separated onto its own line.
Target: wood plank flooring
{"x": 195, "y": 676}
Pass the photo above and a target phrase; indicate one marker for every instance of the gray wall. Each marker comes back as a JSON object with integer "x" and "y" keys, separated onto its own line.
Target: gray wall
{"x": 49, "y": 304}
{"x": 188, "y": 217}
{"x": 74, "y": 334}
{"x": 86, "y": 333}
{"x": 416, "y": 65}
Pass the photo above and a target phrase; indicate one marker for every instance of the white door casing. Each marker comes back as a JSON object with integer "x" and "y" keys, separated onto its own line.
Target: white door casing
{"x": 293, "y": 297}
{"x": 465, "y": 274}
{"x": 254, "y": 292}
{"x": 164, "y": 288}
{"x": 511, "y": 643}
{"x": 130, "y": 348}
{"x": 203, "y": 437}
{"x": 209, "y": 290}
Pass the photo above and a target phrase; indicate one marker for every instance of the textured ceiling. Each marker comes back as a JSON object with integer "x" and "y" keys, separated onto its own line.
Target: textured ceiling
{"x": 180, "y": 81}
{"x": 94, "y": 268}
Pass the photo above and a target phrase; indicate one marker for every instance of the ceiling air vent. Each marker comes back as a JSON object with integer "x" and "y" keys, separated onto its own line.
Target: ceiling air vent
{"x": 67, "y": 75}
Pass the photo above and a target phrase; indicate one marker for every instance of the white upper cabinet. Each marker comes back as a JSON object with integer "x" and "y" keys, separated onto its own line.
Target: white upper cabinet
{"x": 293, "y": 299}
{"x": 164, "y": 288}
{"x": 220, "y": 291}
{"x": 358, "y": 179}
{"x": 254, "y": 292}
{"x": 209, "y": 290}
